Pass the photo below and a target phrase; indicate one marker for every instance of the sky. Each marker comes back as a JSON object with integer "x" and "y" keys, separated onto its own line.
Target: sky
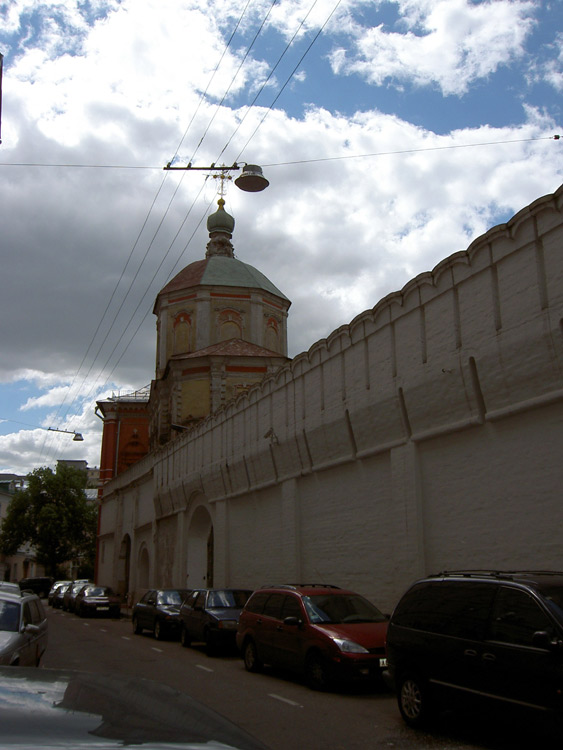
{"x": 393, "y": 133}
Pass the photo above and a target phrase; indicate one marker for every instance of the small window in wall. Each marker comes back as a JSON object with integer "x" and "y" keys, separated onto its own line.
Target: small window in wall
{"x": 182, "y": 333}
{"x": 229, "y": 325}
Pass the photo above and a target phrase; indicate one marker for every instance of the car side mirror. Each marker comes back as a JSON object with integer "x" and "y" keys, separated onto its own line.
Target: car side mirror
{"x": 542, "y": 639}
{"x": 30, "y": 628}
{"x": 294, "y": 621}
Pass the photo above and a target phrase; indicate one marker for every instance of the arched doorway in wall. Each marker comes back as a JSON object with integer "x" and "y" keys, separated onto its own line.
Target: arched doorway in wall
{"x": 124, "y": 566}
{"x": 200, "y": 550}
{"x": 143, "y": 569}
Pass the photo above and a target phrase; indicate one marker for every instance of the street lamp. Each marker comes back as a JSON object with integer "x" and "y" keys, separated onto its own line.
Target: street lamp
{"x": 77, "y": 435}
{"x": 251, "y": 180}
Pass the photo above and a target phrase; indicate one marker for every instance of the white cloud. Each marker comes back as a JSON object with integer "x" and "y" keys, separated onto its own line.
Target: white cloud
{"x": 450, "y": 43}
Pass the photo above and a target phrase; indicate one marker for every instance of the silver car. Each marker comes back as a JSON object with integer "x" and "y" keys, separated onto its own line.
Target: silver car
{"x": 6, "y": 587}
{"x": 23, "y": 629}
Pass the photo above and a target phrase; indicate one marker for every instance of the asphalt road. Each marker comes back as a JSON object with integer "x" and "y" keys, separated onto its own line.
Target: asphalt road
{"x": 274, "y": 707}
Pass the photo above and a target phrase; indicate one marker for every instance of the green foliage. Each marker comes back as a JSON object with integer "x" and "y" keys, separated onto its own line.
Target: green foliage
{"x": 54, "y": 516}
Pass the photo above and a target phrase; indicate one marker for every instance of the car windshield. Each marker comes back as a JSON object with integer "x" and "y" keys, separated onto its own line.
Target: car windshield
{"x": 341, "y": 608}
{"x": 172, "y": 597}
{"x": 9, "y": 616}
{"x": 97, "y": 591}
{"x": 234, "y": 599}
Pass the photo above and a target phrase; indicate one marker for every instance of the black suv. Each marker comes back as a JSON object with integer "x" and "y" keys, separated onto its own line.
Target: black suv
{"x": 40, "y": 586}
{"x": 496, "y": 636}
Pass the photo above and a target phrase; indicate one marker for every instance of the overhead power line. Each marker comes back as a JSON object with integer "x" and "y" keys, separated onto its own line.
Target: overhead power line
{"x": 105, "y": 313}
{"x": 307, "y": 161}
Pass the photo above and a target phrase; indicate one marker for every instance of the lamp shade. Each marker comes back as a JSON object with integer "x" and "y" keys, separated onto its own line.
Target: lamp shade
{"x": 252, "y": 180}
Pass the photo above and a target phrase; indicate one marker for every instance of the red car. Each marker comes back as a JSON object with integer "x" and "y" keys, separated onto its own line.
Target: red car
{"x": 325, "y": 632}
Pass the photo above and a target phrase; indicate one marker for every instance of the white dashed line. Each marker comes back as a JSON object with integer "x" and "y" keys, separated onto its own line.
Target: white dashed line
{"x": 205, "y": 669}
{"x": 126, "y": 638}
{"x": 285, "y": 700}
{"x": 158, "y": 650}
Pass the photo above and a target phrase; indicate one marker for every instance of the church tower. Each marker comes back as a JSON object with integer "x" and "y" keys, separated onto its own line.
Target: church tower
{"x": 221, "y": 327}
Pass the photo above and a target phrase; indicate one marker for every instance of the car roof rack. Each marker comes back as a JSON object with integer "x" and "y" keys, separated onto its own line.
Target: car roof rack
{"x": 294, "y": 586}
{"x": 500, "y": 574}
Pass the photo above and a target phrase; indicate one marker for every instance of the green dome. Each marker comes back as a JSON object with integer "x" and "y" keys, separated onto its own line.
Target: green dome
{"x": 220, "y": 221}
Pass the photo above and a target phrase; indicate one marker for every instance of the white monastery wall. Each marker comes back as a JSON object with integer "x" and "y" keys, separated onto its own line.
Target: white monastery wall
{"x": 427, "y": 434}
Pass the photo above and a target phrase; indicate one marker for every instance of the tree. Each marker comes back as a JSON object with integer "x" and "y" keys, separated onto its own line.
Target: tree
{"x": 54, "y": 516}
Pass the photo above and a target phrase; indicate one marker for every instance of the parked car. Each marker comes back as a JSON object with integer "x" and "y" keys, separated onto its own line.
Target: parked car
{"x": 40, "y": 585}
{"x": 70, "y": 593}
{"x": 159, "y": 611}
{"x": 23, "y": 629}
{"x": 71, "y": 709}
{"x": 54, "y": 590}
{"x": 211, "y": 616}
{"x": 97, "y": 600}
{"x": 58, "y": 595}
{"x": 466, "y": 636}
{"x": 10, "y": 588}
{"x": 327, "y": 633}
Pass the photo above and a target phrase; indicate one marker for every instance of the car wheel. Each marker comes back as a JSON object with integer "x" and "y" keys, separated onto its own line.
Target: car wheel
{"x": 317, "y": 672}
{"x": 158, "y": 631}
{"x": 252, "y": 662}
{"x": 136, "y": 627}
{"x": 413, "y": 699}
{"x": 185, "y": 639}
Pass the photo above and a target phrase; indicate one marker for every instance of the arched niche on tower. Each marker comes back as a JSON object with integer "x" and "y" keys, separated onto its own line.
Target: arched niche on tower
{"x": 272, "y": 334}
{"x": 229, "y": 325}
{"x": 182, "y": 333}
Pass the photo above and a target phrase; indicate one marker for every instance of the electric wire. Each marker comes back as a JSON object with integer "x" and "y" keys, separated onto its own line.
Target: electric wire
{"x": 231, "y": 84}
{"x": 295, "y": 69}
{"x": 186, "y": 217}
{"x": 319, "y": 159}
{"x": 149, "y": 309}
{"x": 265, "y": 83}
{"x": 237, "y": 25}
{"x": 95, "y": 385}
{"x": 204, "y": 93}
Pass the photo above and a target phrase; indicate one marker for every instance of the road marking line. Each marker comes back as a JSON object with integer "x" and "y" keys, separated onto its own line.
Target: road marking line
{"x": 126, "y": 638}
{"x": 158, "y": 650}
{"x": 86, "y": 624}
{"x": 285, "y": 700}
{"x": 205, "y": 669}
{"x": 103, "y": 630}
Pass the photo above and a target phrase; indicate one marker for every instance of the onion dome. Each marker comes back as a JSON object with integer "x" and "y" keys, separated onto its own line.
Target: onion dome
{"x": 220, "y": 226}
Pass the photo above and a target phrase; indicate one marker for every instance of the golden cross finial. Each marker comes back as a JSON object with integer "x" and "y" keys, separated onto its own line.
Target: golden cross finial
{"x": 222, "y": 176}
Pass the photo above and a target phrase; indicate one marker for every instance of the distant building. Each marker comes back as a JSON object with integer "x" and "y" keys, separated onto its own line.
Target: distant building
{"x": 126, "y": 431}
{"x": 23, "y": 563}
{"x": 92, "y": 474}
